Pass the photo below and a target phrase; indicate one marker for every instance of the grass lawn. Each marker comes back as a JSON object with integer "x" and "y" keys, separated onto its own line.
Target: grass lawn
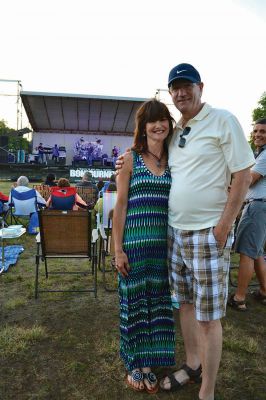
{"x": 66, "y": 346}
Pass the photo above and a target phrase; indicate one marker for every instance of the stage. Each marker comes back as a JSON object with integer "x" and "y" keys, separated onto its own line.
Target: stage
{"x": 38, "y": 172}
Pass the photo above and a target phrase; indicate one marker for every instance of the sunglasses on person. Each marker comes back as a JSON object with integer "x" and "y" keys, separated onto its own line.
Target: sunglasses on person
{"x": 182, "y": 139}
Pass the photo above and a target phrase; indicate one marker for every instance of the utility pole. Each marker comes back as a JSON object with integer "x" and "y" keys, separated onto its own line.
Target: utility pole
{"x": 18, "y": 102}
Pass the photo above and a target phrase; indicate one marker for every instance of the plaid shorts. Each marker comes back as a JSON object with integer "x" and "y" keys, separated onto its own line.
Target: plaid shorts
{"x": 198, "y": 271}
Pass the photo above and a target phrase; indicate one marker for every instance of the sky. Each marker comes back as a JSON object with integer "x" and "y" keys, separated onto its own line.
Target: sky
{"x": 127, "y": 48}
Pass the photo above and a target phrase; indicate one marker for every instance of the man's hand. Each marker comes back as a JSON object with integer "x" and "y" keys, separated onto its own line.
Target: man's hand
{"x": 236, "y": 195}
{"x": 220, "y": 235}
{"x": 120, "y": 161}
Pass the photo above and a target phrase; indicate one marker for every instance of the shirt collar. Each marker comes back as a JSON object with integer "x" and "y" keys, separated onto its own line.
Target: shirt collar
{"x": 206, "y": 109}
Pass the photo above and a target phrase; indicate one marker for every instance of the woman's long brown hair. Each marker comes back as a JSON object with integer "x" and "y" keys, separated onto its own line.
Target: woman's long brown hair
{"x": 150, "y": 111}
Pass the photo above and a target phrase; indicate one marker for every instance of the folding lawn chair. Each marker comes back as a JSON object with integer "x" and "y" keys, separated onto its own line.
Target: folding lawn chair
{"x": 88, "y": 194}
{"x": 106, "y": 262}
{"x": 66, "y": 235}
{"x": 109, "y": 200}
{"x": 22, "y": 205}
{"x": 3, "y": 215}
{"x": 63, "y": 198}
{"x": 44, "y": 190}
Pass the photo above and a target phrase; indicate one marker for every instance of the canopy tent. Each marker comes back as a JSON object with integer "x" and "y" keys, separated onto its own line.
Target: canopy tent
{"x": 80, "y": 114}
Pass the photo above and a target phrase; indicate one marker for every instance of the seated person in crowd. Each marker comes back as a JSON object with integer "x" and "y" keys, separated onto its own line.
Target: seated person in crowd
{"x": 111, "y": 181}
{"x": 63, "y": 184}
{"x": 100, "y": 184}
{"x": 25, "y": 207}
{"x": 50, "y": 180}
{"x": 86, "y": 182}
{"x": 98, "y": 208}
{"x": 3, "y": 201}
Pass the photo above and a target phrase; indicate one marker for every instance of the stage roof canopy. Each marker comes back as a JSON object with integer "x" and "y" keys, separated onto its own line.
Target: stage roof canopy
{"x": 73, "y": 113}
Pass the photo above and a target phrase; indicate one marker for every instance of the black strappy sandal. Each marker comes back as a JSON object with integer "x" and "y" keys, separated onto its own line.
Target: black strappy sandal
{"x": 193, "y": 374}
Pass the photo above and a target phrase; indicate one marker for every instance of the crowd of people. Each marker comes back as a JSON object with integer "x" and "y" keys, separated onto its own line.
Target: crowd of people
{"x": 58, "y": 188}
{"x": 173, "y": 227}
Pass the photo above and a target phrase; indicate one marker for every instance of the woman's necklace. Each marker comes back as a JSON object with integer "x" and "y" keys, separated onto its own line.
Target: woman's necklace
{"x": 158, "y": 159}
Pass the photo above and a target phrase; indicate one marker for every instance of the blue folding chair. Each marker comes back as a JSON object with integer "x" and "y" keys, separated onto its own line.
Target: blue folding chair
{"x": 22, "y": 205}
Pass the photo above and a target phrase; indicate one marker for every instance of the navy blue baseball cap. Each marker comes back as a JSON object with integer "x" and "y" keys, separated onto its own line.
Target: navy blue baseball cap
{"x": 184, "y": 71}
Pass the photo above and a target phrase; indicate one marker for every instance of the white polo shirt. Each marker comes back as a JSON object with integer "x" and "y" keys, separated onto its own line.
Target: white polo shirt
{"x": 258, "y": 190}
{"x": 215, "y": 148}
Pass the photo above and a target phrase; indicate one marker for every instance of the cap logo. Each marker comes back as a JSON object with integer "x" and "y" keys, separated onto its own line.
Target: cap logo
{"x": 182, "y": 70}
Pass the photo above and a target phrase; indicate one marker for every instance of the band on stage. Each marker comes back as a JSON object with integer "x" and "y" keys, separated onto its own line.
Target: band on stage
{"x": 84, "y": 151}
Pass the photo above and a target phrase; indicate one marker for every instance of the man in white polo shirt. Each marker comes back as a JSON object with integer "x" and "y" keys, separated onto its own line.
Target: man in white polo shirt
{"x": 209, "y": 148}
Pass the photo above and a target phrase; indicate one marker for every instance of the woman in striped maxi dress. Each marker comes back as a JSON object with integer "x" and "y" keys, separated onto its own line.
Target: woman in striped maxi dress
{"x": 140, "y": 232}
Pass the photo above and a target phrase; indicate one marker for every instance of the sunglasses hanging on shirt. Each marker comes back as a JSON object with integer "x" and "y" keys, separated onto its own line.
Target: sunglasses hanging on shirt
{"x": 182, "y": 139}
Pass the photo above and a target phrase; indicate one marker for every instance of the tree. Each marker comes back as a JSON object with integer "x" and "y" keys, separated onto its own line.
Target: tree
{"x": 15, "y": 139}
{"x": 4, "y": 129}
{"x": 260, "y": 111}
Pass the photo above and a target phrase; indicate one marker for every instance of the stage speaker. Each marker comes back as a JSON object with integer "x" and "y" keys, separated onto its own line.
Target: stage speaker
{"x": 97, "y": 163}
{"x": 3, "y": 141}
{"x": 108, "y": 162}
{"x": 51, "y": 163}
{"x": 82, "y": 163}
{"x": 3, "y": 156}
{"x": 62, "y": 160}
{"x": 11, "y": 158}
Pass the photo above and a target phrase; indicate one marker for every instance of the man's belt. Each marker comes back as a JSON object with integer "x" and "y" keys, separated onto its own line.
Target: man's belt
{"x": 251, "y": 200}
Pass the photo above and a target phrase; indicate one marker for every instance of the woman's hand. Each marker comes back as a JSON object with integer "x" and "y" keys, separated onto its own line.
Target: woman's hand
{"x": 121, "y": 263}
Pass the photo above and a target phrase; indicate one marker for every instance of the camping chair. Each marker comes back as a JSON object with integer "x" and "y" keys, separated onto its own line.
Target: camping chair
{"x": 63, "y": 198}
{"x": 44, "y": 190}
{"x": 88, "y": 194}
{"x": 106, "y": 262}
{"x": 109, "y": 200}
{"x": 22, "y": 205}
{"x": 3, "y": 215}
{"x": 65, "y": 235}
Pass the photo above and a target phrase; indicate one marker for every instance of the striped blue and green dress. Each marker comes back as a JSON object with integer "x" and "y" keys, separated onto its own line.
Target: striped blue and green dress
{"x": 146, "y": 316}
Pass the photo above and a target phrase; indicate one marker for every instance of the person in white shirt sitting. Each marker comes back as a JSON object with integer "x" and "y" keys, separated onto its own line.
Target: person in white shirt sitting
{"x": 28, "y": 206}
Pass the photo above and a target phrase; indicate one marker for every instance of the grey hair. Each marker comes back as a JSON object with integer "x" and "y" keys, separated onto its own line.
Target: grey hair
{"x": 87, "y": 176}
{"x": 22, "y": 181}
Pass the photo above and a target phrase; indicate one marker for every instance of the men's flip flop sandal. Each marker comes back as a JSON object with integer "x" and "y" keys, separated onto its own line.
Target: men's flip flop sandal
{"x": 193, "y": 374}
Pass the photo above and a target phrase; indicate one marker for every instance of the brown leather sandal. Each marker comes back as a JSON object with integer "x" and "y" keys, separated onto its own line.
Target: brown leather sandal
{"x": 237, "y": 304}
